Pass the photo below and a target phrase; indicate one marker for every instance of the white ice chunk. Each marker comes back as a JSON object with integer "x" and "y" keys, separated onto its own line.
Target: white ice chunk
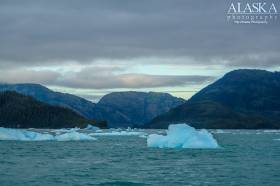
{"x": 220, "y": 131}
{"x": 143, "y": 136}
{"x": 117, "y": 133}
{"x": 91, "y": 127}
{"x": 183, "y": 136}
{"x": 74, "y": 136}
{"x": 271, "y": 131}
{"x": 63, "y": 130}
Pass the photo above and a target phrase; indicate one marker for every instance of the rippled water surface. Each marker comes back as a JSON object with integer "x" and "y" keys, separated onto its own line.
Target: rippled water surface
{"x": 246, "y": 158}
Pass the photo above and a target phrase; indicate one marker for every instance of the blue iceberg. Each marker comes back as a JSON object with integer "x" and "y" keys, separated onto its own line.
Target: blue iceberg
{"x": 182, "y": 136}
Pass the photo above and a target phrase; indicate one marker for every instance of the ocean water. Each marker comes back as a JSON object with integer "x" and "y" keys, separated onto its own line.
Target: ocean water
{"x": 245, "y": 158}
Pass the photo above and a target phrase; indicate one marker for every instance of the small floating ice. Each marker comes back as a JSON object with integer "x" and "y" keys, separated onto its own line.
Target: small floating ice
{"x": 183, "y": 136}
{"x": 271, "y": 131}
{"x": 26, "y": 135}
{"x": 91, "y": 127}
{"x": 74, "y": 136}
{"x": 219, "y": 131}
{"x": 117, "y": 133}
{"x": 143, "y": 136}
{"x": 63, "y": 130}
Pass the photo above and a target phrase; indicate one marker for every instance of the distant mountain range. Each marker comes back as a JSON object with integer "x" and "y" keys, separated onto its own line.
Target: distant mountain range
{"x": 20, "y": 111}
{"x": 248, "y": 99}
{"x": 133, "y": 109}
{"x": 119, "y": 109}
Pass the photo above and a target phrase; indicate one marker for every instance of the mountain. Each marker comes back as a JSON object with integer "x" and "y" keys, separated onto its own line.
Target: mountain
{"x": 119, "y": 109}
{"x": 209, "y": 115}
{"x": 241, "y": 99}
{"x": 256, "y": 90}
{"x": 133, "y": 109}
{"x": 43, "y": 94}
{"x": 20, "y": 111}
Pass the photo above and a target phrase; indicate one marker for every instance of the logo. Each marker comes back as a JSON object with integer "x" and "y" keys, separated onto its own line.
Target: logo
{"x": 252, "y": 13}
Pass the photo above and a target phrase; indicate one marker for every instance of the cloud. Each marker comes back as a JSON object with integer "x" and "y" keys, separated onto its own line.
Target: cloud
{"x": 261, "y": 60}
{"x": 100, "y": 78}
{"x": 114, "y": 77}
{"x": 45, "y": 33}
{"x": 28, "y": 76}
{"x": 133, "y": 81}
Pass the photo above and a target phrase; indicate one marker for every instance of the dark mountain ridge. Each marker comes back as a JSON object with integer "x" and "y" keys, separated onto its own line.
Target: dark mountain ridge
{"x": 250, "y": 97}
{"x": 43, "y": 94}
{"x": 256, "y": 90}
{"x": 20, "y": 111}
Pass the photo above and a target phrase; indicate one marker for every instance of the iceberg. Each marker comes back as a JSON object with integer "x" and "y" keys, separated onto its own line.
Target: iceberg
{"x": 26, "y": 135}
{"x": 182, "y": 136}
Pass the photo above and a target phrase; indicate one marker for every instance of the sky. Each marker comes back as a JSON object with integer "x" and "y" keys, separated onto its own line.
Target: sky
{"x": 91, "y": 47}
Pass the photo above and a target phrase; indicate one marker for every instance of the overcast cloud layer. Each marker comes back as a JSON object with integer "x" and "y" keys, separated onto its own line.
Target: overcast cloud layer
{"x": 83, "y": 34}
